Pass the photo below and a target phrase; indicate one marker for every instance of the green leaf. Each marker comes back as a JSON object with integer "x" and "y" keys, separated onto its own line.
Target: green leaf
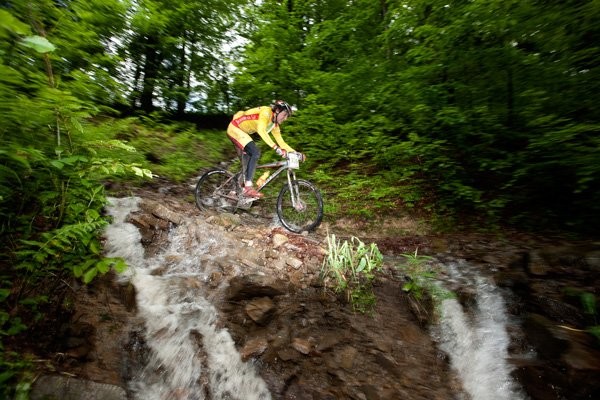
{"x": 9, "y": 23}
{"x": 103, "y": 266}
{"x": 90, "y": 275}
{"x": 4, "y": 293}
{"x": 361, "y": 265}
{"x": 119, "y": 265}
{"x": 94, "y": 247}
{"x": 38, "y": 43}
{"x": 57, "y": 164}
{"x": 6, "y": 375}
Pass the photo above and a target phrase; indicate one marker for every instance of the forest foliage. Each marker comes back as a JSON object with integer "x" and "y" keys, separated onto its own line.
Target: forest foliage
{"x": 487, "y": 109}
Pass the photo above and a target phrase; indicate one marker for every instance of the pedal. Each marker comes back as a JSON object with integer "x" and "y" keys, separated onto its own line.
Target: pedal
{"x": 246, "y": 202}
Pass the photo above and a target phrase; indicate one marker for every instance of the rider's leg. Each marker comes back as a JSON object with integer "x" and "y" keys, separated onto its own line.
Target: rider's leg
{"x": 253, "y": 153}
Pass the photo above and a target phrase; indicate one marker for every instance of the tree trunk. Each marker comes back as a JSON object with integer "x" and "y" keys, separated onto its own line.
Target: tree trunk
{"x": 182, "y": 93}
{"x": 151, "y": 69}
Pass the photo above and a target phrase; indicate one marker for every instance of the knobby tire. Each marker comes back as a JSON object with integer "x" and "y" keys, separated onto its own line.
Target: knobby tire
{"x": 216, "y": 189}
{"x": 300, "y": 220}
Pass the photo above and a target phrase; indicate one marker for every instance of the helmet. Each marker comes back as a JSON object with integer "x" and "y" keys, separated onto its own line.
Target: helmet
{"x": 280, "y": 105}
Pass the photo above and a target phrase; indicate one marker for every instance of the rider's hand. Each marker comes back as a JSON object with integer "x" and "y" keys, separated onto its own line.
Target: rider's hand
{"x": 281, "y": 152}
{"x": 302, "y": 157}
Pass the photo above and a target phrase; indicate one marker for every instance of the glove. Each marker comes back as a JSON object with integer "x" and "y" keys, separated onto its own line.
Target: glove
{"x": 281, "y": 152}
{"x": 302, "y": 157}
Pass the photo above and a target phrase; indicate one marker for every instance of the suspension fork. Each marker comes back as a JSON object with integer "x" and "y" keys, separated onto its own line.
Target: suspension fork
{"x": 294, "y": 191}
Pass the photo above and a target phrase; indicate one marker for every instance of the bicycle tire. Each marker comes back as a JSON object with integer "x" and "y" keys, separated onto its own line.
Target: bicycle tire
{"x": 299, "y": 220}
{"x": 216, "y": 189}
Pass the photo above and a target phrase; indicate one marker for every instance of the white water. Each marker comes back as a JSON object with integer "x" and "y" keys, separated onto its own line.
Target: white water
{"x": 190, "y": 357}
{"x": 477, "y": 341}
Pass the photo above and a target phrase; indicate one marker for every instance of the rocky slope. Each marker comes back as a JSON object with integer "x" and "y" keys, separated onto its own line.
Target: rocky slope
{"x": 309, "y": 344}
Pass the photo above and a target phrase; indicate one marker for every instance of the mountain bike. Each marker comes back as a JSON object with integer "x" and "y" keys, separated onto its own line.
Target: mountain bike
{"x": 299, "y": 204}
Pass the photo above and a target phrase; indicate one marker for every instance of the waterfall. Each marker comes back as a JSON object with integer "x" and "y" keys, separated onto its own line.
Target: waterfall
{"x": 190, "y": 356}
{"x": 477, "y": 340}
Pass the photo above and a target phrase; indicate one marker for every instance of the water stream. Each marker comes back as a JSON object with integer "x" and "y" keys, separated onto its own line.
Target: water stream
{"x": 190, "y": 357}
{"x": 477, "y": 340}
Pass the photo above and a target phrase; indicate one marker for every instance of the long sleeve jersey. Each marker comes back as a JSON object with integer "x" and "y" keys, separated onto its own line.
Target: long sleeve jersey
{"x": 257, "y": 120}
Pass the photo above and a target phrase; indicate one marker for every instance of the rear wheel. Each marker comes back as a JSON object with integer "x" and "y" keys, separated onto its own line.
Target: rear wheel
{"x": 216, "y": 189}
{"x": 301, "y": 209}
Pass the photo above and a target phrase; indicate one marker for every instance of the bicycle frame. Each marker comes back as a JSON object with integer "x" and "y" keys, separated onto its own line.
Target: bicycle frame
{"x": 291, "y": 177}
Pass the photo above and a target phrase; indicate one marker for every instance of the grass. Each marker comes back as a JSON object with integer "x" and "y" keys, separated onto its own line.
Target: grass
{"x": 420, "y": 273}
{"x": 350, "y": 268}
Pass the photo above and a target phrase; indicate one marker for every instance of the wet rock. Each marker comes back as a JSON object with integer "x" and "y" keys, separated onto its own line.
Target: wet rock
{"x": 255, "y": 285}
{"x": 254, "y": 348}
{"x": 370, "y": 392}
{"x": 147, "y": 221}
{"x": 581, "y": 353}
{"x": 302, "y": 345}
{"x": 387, "y": 364}
{"x": 288, "y": 354}
{"x": 536, "y": 265}
{"x": 557, "y": 310}
{"x": 68, "y": 388}
{"x": 126, "y": 293}
{"x": 215, "y": 279}
{"x": 346, "y": 357}
{"x": 298, "y": 390}
{"x": 540, "y": 331}
{"x": 541, "y": 382}
{"x": 327, "y": 342}
{"x": 228, "y": 220}
{"x": 260, "y": 310}
{"x": 160, "y": 211}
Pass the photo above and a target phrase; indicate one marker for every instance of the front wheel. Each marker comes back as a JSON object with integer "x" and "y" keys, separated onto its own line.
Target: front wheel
{"x": 216, "y": 189}
{"x": 300, "y": 209}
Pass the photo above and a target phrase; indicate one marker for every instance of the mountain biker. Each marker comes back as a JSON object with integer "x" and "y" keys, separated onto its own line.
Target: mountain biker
{"x": 262, "y": 120}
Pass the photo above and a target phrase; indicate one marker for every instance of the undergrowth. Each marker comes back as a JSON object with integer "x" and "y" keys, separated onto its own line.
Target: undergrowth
{"x": 349, "y": 268}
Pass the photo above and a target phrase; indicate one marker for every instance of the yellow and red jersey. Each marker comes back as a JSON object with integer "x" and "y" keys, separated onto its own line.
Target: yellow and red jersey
{"x": 256, "y": 120}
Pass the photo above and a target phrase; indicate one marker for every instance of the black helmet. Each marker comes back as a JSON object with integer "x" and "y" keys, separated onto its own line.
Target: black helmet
{"x": 280, "y": 105}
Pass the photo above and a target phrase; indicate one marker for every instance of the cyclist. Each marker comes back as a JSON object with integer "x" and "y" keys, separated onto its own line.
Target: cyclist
{"x": 262, "y": 120}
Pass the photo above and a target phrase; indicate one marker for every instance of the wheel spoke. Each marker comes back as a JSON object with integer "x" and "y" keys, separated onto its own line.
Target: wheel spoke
{"x": 305, "y": 212}
{"x": 216, "y": 189}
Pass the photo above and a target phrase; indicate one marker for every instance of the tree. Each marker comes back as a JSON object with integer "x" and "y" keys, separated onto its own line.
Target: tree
{"x": 175, "y": 47}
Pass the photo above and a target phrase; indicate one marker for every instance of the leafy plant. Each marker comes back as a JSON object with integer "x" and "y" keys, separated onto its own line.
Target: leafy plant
{"x": 350, "y": 268}
{"x": 420, "y": 273}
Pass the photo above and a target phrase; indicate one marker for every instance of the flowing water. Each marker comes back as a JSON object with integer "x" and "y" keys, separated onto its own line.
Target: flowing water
{"x": 477, "y": 340}
{"x": 191, "y": 357}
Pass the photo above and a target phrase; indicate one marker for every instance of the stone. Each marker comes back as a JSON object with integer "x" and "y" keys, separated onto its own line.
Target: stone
{"x": 327, "y": 342}
{"x": 537, "y": 265}
{"x": 161, "y": 211}
{"x": 68, "y": 388}
{"x": 279, "y": 239}
{"x": 347, "y": 357}
{"x": 294, "y": 262}
{"x": 254, "y": 348}
{"x": 287, "y": 354}
{"x": 260, "y": 310}
{"x": 387, "y": 364}
{"x": 301, "y": 345}
{"x": 254, "y": 285}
